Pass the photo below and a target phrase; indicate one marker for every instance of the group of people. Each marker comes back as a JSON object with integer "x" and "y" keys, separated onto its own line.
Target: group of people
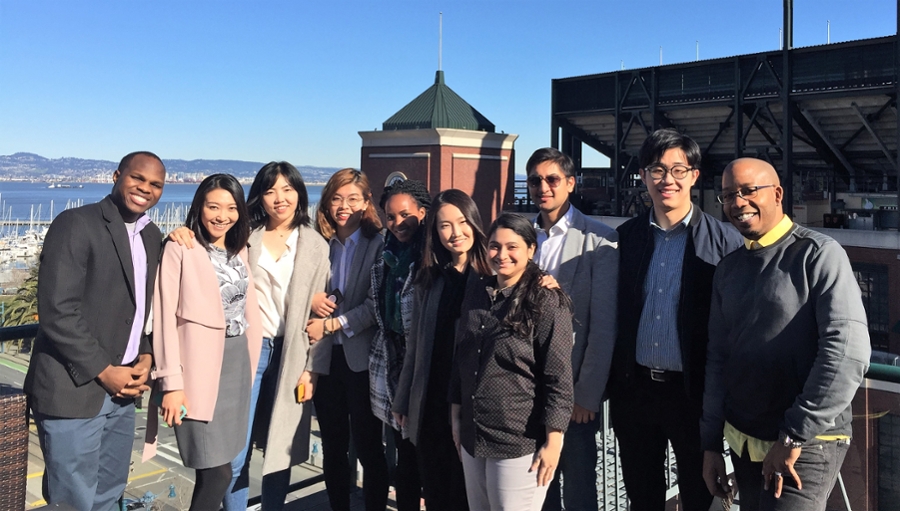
{"x": 485, "y": 354}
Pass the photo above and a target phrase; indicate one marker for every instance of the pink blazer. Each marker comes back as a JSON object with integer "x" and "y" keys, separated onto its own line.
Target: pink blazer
{"x": 189, "y": 332}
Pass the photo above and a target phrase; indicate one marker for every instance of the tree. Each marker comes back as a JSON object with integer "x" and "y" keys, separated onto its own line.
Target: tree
{"x": 23, "y": 309}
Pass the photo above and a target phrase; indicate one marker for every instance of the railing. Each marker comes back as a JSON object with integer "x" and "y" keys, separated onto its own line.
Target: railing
{"x": 15, "y": 344}
{"x": 521, "y": 198}
{"x": 870, "y": 475}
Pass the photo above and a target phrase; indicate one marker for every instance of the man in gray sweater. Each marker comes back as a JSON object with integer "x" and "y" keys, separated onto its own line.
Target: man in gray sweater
{"x": 788, "y": 348}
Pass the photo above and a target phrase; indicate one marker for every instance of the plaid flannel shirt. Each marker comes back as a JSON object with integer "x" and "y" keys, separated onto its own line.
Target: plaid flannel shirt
{"x": 388, "y": 350}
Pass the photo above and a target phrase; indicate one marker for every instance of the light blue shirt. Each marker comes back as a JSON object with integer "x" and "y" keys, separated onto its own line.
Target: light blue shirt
{"x": 341, "y": 256}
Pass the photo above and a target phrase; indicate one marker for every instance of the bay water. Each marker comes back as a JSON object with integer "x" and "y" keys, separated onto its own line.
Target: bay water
{"x": 26, "y": 201}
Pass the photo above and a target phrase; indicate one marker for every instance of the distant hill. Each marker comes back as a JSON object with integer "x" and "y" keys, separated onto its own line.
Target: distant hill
{"x": 33, "y": 166}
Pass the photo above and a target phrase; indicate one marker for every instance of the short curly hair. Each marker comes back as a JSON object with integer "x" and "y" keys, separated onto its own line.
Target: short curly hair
{"x": 415, "y": 189}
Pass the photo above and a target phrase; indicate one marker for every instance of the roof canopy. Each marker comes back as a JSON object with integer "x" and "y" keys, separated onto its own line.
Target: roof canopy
{"x": 438, "y": 107}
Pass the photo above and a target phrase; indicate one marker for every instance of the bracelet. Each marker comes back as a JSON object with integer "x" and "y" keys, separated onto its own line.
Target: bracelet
{"x": 788, "y": 441}
{"x": 325, "y": 329}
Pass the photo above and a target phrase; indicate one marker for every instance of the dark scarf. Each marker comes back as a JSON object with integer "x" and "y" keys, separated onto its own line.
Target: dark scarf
{"x": 397, "y": 260}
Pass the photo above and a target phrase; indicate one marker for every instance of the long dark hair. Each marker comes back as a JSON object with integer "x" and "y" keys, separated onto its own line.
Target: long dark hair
{"x": 236, "y": 237}
{"x": 265, "y": 179}
{"x": 526, "y": 298}
{"x": 435, "y": 255}
{"x": 369, "y": 224}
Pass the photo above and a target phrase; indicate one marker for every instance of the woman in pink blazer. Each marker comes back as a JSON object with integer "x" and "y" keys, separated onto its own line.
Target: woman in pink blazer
{"x": 207, "y": 337}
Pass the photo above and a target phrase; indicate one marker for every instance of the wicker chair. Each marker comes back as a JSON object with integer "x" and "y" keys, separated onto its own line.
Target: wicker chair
{"x": 13, "y": 447}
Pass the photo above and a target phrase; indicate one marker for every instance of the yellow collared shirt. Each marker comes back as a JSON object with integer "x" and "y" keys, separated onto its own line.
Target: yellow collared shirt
{"x": 772, "y": 236}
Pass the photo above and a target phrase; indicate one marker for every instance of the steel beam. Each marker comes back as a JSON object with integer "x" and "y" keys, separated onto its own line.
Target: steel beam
{"x": 872, "y": 117}
{"x": 865, "y": 121}
{"x": 738, "y": 109}
{"x": 722, "y": 127}
{"x": 831, "y": 146}
{"x": 586, "y": 138}
{"x": 754, "y": 121}
{"x": 616, "y": 163}
{"x": 787, "y": 125}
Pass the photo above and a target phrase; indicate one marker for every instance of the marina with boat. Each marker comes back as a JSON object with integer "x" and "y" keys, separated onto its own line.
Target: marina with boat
{"x": 28, "y": 208}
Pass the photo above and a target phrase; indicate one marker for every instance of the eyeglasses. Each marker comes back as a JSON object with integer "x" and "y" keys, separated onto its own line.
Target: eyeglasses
{"x": 747, "y": 192}
{"x": 352, "y": 201}
{"x": 552, "y": 180}
{"x": 658, "y": 171}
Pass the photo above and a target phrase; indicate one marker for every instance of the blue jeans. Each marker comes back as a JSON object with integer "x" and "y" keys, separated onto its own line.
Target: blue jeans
{"x": 578, "y": 467}
{"x": 238, "y": 491}
{"x": 86, "y": 460}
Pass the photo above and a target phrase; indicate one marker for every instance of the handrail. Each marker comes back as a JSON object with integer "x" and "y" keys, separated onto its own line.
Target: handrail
{"x": 881, "y": 372}
{"x": 12, "y": 333}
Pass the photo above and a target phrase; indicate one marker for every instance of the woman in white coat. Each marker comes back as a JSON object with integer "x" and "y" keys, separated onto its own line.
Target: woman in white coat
{"x": 289, "y": 263}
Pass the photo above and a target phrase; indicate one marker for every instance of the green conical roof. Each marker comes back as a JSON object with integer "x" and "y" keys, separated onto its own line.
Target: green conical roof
{"x": 438, "y": 107}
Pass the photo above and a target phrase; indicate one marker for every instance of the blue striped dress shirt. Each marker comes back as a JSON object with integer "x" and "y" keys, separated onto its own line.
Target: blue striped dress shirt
{"x": 658, "y": 344}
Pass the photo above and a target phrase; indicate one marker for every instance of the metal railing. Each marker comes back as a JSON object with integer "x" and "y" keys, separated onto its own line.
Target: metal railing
{"x": 16, "y": 342}
{"x": 869, "y": 478}
{"x": 870, "y": 475}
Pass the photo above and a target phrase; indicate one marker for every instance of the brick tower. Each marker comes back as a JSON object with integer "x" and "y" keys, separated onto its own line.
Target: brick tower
{"x": 443, "y": 141}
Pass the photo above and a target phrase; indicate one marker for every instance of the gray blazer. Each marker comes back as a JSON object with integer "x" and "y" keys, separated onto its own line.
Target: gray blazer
{"x": 589, "y": 272}
{"x": 287, "y": 440}
{"x": 360, "y": 312}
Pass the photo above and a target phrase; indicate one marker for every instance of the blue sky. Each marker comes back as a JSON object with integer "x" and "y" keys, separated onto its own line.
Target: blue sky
{"x": 297, "y": 79}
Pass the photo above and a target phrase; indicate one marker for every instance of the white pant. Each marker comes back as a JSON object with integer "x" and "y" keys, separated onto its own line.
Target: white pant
{"x": 494, "y": 484}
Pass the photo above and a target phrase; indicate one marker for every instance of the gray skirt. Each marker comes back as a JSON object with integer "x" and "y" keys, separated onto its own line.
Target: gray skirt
{"x": 217, "y": 442}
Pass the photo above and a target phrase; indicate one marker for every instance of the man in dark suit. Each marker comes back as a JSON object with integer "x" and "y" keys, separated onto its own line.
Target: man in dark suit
{"x": 91, "y": 355}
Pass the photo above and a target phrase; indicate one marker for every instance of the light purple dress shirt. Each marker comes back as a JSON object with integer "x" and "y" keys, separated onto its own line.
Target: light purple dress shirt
{"x": 139, "y": 262}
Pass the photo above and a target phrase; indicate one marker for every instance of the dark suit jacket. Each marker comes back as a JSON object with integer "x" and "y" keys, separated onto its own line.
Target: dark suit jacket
{"x": 86, "y": 307}
{"x": 709, "y": 241}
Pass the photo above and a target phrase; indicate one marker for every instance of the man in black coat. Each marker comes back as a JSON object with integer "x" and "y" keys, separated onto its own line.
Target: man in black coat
{"x": 91, "y": 355}
{"x": 667, "y": 257}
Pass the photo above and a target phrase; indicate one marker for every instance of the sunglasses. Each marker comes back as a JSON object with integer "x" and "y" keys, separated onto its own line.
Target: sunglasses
{"x": 552, "y": 180}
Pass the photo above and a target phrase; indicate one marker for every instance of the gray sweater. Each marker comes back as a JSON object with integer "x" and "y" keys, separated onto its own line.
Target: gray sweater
{"x": 788, "y": 341}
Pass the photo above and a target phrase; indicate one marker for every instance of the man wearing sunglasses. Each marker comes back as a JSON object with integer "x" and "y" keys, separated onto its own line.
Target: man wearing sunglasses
{"x": 788, "y": 348}
{"x": 581, "y": 254}
{"x": 668, "y": 256}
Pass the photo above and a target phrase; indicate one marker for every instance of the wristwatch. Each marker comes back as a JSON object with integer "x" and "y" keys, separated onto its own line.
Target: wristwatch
{"x": 786, "y": 440}
{"x": 326, "y": 332}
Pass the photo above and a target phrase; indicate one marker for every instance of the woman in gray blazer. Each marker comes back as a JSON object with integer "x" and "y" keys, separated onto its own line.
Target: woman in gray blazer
{"x": 455, "y": 249}
{"x": 343, "y": 332}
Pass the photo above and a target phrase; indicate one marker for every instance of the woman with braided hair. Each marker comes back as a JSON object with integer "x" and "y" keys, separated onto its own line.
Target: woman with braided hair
{"x": 405, "y": 204}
